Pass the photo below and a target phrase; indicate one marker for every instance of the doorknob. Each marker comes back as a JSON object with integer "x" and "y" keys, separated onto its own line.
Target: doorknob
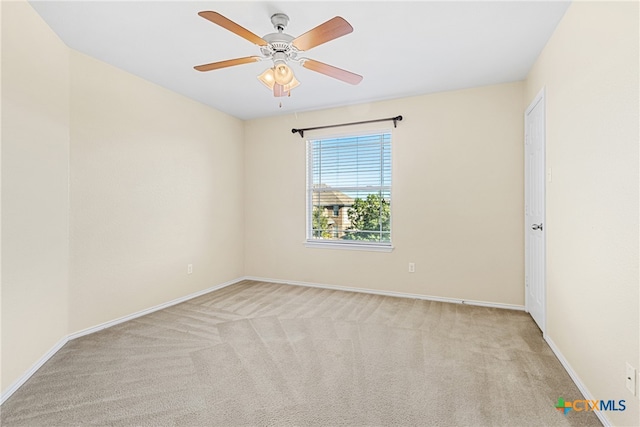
{"x": 537, "y": 227}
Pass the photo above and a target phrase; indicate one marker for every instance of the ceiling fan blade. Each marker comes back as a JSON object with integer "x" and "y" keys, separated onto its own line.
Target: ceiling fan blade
{"x": 278, "y": 90}
{"x": 228, "y": 24}
{"x": 332, "y": 29}
{"x": 331, "y": 71}
{"x": 227, "y": 63}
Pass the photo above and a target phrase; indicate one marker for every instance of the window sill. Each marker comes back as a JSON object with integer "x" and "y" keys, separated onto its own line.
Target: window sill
{"x": 349, "y": 246}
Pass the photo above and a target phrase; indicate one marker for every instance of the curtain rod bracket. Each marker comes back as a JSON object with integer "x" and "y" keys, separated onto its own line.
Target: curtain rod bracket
{"x": 395, "y": 120}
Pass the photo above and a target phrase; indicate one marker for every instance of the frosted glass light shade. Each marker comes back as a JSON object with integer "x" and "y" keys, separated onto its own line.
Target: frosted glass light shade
{"x": 293, "y": 84}
{"x": 282, "y": 73}
{"x": 268, "y": 79}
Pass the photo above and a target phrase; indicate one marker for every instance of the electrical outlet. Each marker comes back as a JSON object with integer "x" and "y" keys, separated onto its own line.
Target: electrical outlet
{"x": 631, "y": 379}
{"x": 412, "y": 267}
{"x": 189, "y": 268}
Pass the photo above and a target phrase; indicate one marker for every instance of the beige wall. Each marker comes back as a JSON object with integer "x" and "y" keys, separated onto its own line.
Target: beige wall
{"x": 110, "y": 187}
{"x": 35, "y": 196}
{"x": 457, "y": 198}
{"x": 1, "y": 385}
{"x": 156, "y": 184}
{"x": 590, "y": 71}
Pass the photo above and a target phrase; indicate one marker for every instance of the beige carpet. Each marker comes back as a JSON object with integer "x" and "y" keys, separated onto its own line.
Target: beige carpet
{"x": 268, "y": 354}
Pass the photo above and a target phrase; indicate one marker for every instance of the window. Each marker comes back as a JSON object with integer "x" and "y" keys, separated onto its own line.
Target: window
{"x": 352, "y": 174}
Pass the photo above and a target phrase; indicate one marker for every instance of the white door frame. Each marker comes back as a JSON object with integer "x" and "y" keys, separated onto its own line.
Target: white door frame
{"x": 541, "y": 318}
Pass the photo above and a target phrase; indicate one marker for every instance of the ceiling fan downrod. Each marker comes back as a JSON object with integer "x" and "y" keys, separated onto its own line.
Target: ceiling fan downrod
{"x": 279, "y": 21}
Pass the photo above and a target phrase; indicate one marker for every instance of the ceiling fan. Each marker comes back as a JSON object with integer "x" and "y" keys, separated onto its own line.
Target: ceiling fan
{"x": 282, "y": 49}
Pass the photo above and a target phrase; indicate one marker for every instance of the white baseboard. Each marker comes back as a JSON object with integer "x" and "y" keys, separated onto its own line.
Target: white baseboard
{"x": 389, "y": 293}
{"x": 20, "y": 381}
{"x": 150, "y": 310}
{"x": 576, "y": 379}
{"x": 23, "y": 379}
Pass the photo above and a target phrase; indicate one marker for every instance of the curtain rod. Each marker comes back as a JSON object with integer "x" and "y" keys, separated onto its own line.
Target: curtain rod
{"x": 395, "y": 120}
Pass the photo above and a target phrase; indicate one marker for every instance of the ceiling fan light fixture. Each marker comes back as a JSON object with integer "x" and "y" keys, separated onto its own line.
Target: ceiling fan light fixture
{"x": 283, "y": 74}
{"x": 292, "y": 85}
{"x": 268, "y": 79}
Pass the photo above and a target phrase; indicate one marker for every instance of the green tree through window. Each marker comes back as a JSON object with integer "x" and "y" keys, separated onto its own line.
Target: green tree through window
{"x": 320, "y": 224}
{"x": 370, "y": 219}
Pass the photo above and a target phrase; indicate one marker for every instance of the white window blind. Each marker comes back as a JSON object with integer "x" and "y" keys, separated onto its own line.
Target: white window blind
{"x": 349, "y": 189}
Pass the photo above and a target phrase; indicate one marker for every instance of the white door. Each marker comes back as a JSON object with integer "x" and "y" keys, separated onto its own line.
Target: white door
{"x": 534, "y": 210}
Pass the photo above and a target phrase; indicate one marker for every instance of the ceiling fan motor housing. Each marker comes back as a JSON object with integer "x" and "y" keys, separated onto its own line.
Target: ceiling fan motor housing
{"x": 279, "y": 44}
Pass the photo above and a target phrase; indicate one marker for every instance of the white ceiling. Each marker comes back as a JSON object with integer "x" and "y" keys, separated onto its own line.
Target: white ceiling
{"x": 401, "y": 48}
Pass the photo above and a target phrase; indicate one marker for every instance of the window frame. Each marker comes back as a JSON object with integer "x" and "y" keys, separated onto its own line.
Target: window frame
{"x": 357, "y": 245}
